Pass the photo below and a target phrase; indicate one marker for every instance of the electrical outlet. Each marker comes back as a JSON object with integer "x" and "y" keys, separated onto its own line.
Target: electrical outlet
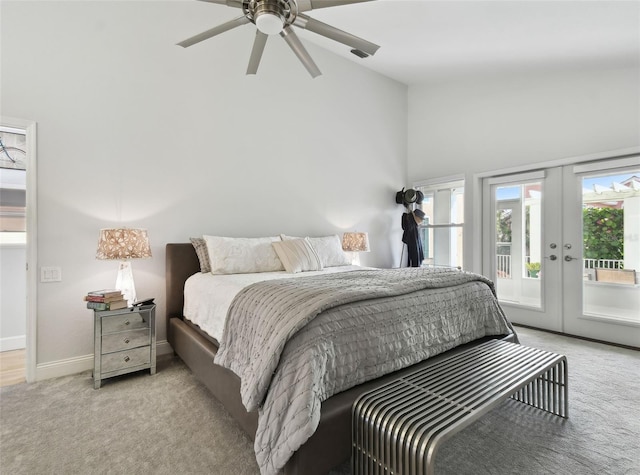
{"x": 50, "y": 274}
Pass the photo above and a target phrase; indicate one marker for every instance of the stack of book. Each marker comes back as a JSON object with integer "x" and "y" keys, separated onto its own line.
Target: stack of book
{"x": 108, "y": 299}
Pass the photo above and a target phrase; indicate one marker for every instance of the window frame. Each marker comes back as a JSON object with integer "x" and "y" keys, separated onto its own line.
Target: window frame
{"x": 430, "y": 188}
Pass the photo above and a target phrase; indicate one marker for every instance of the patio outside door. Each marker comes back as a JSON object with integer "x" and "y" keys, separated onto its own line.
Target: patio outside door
{"x": 563, "y": 247}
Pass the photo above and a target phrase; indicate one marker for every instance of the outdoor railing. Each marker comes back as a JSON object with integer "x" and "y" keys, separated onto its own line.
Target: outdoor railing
{"x": 503, "y": 265}
{"x": 603, "y": 263}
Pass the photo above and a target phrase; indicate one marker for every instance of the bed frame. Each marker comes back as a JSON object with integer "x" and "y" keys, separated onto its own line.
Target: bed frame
{"x": 330, "y": 445}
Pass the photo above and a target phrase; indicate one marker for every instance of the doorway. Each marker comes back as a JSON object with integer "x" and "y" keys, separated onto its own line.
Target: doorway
{"x": 18, "y": 248}
{"x": 563, "y": 246}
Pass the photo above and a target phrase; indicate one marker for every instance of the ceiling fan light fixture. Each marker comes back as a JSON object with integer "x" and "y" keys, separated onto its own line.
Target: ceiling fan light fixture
{"x": 269, "y": 17}
{"x": 269, "y": 23}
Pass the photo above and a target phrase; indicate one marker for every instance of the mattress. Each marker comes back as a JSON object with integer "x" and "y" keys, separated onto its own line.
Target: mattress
{"x": 207, "y": 297}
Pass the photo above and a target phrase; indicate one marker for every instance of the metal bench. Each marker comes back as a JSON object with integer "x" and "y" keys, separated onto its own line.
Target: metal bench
{"x": 398, "y": 427}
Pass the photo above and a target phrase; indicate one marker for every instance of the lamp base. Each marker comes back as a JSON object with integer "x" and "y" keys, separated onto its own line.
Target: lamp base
{"x": 124, "y": 282}
{"x": 355, "y": 257}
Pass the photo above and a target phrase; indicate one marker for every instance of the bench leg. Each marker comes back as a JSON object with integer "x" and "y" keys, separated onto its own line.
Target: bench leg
{"x": 549, "y": 392}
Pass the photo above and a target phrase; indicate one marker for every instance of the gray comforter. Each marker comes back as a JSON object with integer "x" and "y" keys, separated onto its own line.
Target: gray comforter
{"x": 296, "y": 342}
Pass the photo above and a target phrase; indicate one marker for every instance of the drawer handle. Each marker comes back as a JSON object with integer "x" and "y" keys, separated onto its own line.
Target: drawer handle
{"x": 126, "y": 359}
{"x": 126, "y": 322}
{"x": 126, "y": 340}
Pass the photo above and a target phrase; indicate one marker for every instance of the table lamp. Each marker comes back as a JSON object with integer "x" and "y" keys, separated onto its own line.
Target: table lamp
{"x": 124, "y": 244}
{"x": 354, "y": 243}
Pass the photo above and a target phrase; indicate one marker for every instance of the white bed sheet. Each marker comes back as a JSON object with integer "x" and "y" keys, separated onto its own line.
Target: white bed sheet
{"x": 207, "y": 297}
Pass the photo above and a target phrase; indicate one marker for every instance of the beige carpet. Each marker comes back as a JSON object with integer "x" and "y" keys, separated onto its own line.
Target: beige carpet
{"x": 601, "y": 436}
{"x": 169, "y": 424}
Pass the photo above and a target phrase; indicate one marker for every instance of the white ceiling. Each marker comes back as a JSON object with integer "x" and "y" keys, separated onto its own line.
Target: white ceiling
{"x": 423, "y": 40}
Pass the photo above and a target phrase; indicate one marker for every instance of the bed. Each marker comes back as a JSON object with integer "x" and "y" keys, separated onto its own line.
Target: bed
{"x": 329, "y": 444}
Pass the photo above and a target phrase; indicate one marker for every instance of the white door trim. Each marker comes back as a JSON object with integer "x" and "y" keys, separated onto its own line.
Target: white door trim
{"x": 29, "y": 127}
{"x": 619, "y": 153}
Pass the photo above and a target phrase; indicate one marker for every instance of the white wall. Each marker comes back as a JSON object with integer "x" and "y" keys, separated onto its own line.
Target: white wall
{"x": 480, "y": 124}
{"x": 135, "y": 131}
{"x": 490, "y": 123}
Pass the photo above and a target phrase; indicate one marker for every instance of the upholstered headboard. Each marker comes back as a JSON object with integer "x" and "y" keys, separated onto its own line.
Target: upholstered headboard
{"x": 182, "y": 262}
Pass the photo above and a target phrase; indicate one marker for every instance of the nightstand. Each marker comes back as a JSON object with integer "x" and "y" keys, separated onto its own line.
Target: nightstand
{"x": 125, "y": 341}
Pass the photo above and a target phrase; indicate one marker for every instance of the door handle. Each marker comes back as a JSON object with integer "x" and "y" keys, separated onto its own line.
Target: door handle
{"x": 552, "y": 257}
{"x": 569, "y": 258}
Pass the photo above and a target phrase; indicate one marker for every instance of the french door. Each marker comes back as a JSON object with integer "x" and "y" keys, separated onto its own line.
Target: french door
{"x": 562, "y": 245}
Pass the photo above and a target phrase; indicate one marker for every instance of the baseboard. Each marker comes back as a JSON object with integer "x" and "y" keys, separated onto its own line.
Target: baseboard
{"x": 569, "y": 335}
{"x": 56, "y": 369}
{"x": 13, "y": 343}
{"x": 163, "y": 348}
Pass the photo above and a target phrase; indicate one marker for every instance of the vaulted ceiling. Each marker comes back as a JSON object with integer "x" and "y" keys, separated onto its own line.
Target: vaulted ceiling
{"x": 424, "y": 40}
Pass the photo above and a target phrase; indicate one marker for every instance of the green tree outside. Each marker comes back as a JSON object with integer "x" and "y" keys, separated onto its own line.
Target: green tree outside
{"x": 603, "y": 233}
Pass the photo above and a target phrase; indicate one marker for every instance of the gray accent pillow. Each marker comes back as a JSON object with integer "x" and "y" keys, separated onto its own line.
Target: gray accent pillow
{"x": 200, "y": 245}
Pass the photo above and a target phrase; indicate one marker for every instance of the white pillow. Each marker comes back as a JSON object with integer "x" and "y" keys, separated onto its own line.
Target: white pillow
{"x": 297, "y": 255}
{"x": 329, "y": 249}
{"x": 242, "y": 255}
{"x": 284, "y": 237}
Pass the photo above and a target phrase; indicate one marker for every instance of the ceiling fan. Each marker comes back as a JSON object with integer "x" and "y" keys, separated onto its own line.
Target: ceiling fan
{"x": 278, "y": 17}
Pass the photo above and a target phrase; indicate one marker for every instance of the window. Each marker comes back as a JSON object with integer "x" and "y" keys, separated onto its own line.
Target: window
{"x": 441, "y": 230}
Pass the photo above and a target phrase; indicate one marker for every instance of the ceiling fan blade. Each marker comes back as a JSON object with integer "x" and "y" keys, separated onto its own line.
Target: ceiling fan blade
{"x": 294, "y": 42}
{"x": 305, "y": 5}
{"x": 256, "y": 52}
{"x": 311, "y": 24}
{"x": 214, "y": 31}
{"x": 229, "y": 3}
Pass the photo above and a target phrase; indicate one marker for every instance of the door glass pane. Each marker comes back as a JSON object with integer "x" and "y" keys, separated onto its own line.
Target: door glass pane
{"x": 518, "y": 247}
{"x": 611, "y": 245}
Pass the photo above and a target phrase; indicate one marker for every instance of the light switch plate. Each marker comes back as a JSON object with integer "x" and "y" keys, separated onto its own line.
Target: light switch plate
{"x": 50, "y": 274}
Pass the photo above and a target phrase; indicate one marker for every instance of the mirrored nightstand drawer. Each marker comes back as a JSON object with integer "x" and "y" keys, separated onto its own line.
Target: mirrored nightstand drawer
{"x": 124, "y": 340}
{"x": 126, "y": 359}
{"x": 128, "y": 321}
